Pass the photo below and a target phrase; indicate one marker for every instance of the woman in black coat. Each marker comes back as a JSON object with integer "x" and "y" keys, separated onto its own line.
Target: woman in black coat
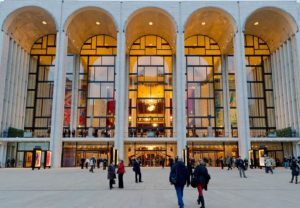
{"x": 295, "y": 170}
{"x": 202, "y": 177}
{"x": 111, "y": 174}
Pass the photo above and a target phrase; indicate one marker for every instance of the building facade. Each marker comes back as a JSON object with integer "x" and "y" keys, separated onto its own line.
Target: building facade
{"x": 148, "y": 79}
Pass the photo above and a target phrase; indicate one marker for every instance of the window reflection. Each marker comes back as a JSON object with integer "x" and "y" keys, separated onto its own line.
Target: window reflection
{"x": 204, "y": 88}
{"x": 96, "y": 106}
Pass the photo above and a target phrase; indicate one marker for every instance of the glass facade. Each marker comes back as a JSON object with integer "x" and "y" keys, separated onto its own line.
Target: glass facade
{"x": 74, "y": 152}
{"x": 260, "y": 87}
{"x": 204, "y": 88}
{"x": 150, "y": 88}
{"x": 40, "y": 86}
{"x": 151, "y": 155}
{"x": 68, "y": 92}
{"x": 96, "y": 93}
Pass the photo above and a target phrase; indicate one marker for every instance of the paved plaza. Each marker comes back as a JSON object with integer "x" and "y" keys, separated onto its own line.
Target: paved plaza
{"x": 73, "y": 187}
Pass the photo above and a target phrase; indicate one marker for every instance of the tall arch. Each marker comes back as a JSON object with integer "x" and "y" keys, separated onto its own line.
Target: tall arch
{"x": 87, "y": 22}
{"x": 29, "y": 23}
{"x": 272, "y": 24}
{"x": 151, "y": 20}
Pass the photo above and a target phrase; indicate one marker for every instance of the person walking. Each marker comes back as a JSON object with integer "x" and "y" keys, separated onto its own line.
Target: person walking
{"x": 240, "y": 164}
{"x": 295, "y": 170}
{"x": 268, "y": 165}
{"x": 98, "y": 163}
{"x": 178, "y": 177}
{"x": 137, "y": 171}
{"x": 222, "y": 162}
{"x": 82, "y": 160}
{"x": 285, "y": 162}
{"x": 202, "y": 177}
{"x": 190, "y": 171}
{"x": 87, "y": 162}
{"x": 121, "y": 171}
{"x": 92, "y": 165}
{"x": 104, "y": 164}
{"x": 111, "y": 174}
{"x": 229, "y": 163}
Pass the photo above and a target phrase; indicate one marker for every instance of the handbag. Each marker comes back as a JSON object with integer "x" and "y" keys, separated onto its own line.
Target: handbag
{"x": 194, "y": 182}
{"x": 113, "y": 181}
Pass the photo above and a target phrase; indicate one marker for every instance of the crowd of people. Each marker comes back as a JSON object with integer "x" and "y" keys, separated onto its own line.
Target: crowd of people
{"x": 194, "y": 174}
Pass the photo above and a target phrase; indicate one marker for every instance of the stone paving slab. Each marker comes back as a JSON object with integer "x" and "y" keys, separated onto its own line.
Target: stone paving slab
{"x": 76, "y": 188}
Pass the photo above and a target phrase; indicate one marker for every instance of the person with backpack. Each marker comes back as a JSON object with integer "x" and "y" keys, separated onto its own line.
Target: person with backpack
{"x": 178, "y": 177}
{"x": 202, "y": 178}
{"x": 295, "y": 170}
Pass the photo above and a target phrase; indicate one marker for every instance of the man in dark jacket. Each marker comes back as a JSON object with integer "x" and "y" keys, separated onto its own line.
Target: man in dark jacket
{"x": 178, "y": 177}
{"x": 202, "y": 177}
{"x": 137, "y": 170}
{"x": 295, "y": 170}
{"x": 240, "y": 164}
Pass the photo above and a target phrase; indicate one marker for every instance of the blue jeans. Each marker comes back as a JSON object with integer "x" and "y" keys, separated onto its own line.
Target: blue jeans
{"x": 179, "y": 193}
{"x": 286, "y": 164}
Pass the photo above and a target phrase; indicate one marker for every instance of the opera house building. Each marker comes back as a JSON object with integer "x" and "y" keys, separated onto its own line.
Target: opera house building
{"x": 148, "y": 79}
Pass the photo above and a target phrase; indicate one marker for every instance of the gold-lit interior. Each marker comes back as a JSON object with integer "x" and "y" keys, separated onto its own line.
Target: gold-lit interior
{"x": 150, "y": 87}
{"x": 40, "y": 86}
{"x": 204, "y": 87}
{"x": 96, "y": 101}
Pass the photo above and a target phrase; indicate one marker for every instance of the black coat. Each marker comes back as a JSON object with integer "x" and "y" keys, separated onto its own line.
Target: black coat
{"x": 181, "y": 172}
{"x": 111, "y": 172}
{"x": 295, "y": 168}
{"x": 136, "y": 166}
{"x": 202, "y": 176}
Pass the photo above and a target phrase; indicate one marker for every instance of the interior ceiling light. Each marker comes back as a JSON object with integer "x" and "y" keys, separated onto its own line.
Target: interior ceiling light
{"x": 97, "y": 23}
{"x": 44, "y": 22}
{"x": 150, "y": 23}
{"x": 256, "y": 23}
{"x": 151, "y": 108}
{"x": 203, "y": 23}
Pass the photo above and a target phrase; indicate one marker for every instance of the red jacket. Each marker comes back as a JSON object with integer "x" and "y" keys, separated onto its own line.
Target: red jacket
{"x": 121, "y": 168}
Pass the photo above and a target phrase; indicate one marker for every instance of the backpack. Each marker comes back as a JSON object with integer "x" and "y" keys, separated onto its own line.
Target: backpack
{"x": 173, "y": 176}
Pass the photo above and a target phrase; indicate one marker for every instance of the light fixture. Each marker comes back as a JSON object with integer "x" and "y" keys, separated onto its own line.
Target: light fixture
{"x": 97, "y": 23}
{"x": 44, "y": 22}
{"x": 256, "y": 23}
{"x": 154, "y": 125}
{"x": 151, "y": 107}
{"x": 150, "y": 23}
{"x": 203, "y": 23}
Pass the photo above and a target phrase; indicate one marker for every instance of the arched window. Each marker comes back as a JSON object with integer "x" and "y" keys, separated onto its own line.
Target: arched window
{"x": 40, "y": 86}
{"x": 150, "y": 88}
{"x": 260, "y": 87}
{"x": 96, "y": 101}
{"x": 204, "y": 87}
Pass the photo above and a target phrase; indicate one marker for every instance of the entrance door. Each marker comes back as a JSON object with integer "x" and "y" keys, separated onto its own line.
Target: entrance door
{"x": 210, "y": 157}
{"x": 151, "y": 158}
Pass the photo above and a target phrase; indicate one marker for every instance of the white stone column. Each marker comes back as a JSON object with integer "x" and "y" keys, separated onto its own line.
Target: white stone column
{"x": 120, "y": 94}
{"x": 226, "y": 106}
{"x": 296, "y": 73}
{"x": 7, "y": 84}
{"x": 241, "y": 94}
{"x": 75, "y": 86}
{"x": 4, "y": 49}
{"x": 3, "y": 147}
{"x": 180, "y": 93}
{"x": 58, "y": 98}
